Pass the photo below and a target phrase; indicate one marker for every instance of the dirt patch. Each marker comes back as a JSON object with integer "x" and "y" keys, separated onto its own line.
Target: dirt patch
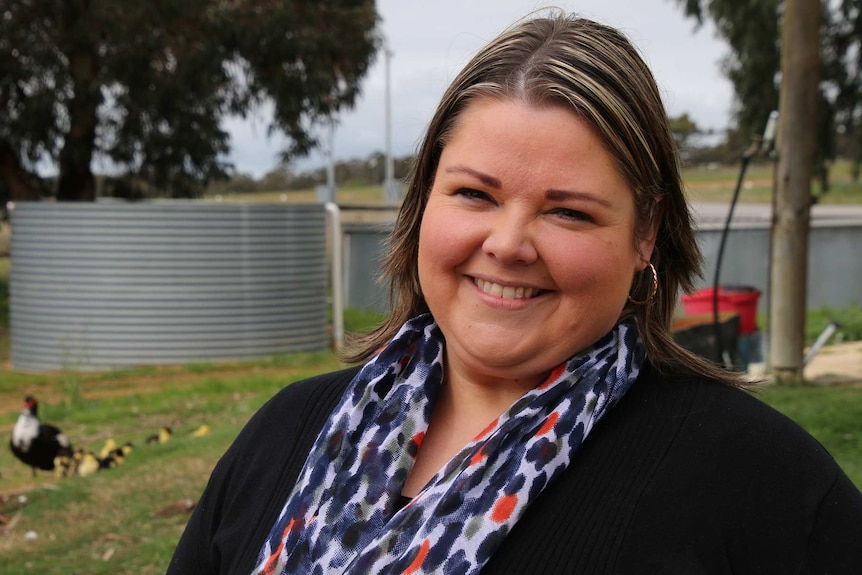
{"x": 837, "y": 363}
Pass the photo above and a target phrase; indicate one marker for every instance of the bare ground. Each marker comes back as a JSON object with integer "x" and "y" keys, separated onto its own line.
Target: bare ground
{"x": 837, "y": 363}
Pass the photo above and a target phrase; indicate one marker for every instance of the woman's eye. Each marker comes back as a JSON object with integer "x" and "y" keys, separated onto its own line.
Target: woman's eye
{"x": 472, "y": 194}
{"x": 573, "y": 215}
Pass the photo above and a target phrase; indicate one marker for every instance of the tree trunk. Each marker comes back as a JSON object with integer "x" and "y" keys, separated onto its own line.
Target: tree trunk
{"x": 76, "y": 182}
{"x": 800, "y": 69}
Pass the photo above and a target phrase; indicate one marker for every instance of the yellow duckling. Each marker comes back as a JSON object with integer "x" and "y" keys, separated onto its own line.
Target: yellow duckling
{"x": 110, "y": 445}
{"x": 162, "y": 436}
{"x": 88, "y": 464}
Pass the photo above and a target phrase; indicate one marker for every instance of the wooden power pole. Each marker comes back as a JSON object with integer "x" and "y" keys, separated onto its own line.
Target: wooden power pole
{"x": 800, "y": 76}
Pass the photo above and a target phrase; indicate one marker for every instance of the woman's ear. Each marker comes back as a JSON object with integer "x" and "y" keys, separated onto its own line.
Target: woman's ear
{"x": 648, "y": 232}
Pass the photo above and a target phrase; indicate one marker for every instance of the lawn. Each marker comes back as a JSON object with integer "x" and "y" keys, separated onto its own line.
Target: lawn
{"x": 702, "y": 183}
{"x": 127, "y": 520}
{"x": 716, "y": 184}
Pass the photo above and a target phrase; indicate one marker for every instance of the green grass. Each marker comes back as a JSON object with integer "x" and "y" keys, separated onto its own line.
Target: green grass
{"x": 703, "y": 184}
{"x": 717, "y": 184}
{"x": 361, "y": 320}
{"x": 113, "y": 522}
{"x": 849, "y": 319}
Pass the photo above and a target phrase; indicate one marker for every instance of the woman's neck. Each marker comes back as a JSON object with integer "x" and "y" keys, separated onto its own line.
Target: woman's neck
{"x": 462, "y": 411}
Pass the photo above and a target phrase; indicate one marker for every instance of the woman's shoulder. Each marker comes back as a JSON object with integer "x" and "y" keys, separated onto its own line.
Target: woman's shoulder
{"x": 690, "y": 474}
{"x": 255, "y": 475}
{"x": 748, "y": 473}
{"x": 304, "y": 403}
{"x": 732, "y": 445}
{"x": 741, "y": 427}
{"x": 730, "y": 413}
{"x": 319, "y": 389}
{"x": 285, "y": 427}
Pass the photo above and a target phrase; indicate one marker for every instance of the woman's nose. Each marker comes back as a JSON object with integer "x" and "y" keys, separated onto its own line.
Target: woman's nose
{"x": 509, "y": 240}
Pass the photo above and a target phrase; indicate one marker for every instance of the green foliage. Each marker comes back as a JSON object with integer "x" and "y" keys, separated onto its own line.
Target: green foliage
{"x": 147, "y": 84}
{"x": 841, "y": 60}
{"x": 752, "y": 28}
{"x": 348, "y": 174}
{"x": 72, "y": 393}
{"x": 849, "y": 320}
{"x": 683, "y": 128}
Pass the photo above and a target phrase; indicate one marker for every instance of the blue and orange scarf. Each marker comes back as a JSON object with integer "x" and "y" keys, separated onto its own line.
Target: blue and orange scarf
{"x": 344, "y": 515}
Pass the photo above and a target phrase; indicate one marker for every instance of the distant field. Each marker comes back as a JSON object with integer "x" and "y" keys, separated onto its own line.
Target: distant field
{"x": 703, "y": 184}
{"x": 717, "y": 183}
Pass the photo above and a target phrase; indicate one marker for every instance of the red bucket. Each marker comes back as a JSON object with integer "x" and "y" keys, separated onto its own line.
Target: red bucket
{"x": 739, "y": 299}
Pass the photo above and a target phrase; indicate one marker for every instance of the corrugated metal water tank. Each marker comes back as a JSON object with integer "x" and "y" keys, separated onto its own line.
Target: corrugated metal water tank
{"x": 98, "y": 286}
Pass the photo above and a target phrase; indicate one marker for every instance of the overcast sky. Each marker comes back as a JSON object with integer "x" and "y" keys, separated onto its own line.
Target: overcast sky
{"x": 432, "y": 40}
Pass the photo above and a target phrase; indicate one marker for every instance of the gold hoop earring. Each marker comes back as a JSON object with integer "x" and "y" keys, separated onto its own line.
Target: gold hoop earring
{"x": 653, "y": 289}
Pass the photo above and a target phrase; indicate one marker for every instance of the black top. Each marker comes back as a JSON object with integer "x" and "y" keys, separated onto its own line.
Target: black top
{"x": 402, "y": 502}
{"x": 682, "y": 477}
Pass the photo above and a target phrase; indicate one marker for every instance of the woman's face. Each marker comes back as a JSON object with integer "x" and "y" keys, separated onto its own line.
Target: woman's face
{"x": 527, "y": 246}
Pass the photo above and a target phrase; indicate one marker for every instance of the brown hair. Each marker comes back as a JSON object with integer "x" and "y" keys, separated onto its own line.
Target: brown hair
{"x": 594, "y": 71}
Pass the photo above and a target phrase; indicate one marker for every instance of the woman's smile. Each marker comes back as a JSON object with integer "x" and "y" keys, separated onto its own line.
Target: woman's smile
{"x": 506, "y": 291}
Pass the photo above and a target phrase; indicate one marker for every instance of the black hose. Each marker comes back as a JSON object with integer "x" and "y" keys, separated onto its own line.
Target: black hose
{"x": 720, "y": 348}
{"x": 758, "y": 144}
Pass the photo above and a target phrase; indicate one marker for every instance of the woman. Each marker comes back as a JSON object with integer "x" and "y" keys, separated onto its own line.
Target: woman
{"x": 525, "y": 409}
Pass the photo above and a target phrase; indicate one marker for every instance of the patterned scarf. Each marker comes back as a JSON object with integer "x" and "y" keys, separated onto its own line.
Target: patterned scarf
{"x": 343, "y": 514}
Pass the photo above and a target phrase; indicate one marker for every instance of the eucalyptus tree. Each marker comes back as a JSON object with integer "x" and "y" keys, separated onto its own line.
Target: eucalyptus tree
{"x": 145, "y": 86}
{"x": 752, "y": 29}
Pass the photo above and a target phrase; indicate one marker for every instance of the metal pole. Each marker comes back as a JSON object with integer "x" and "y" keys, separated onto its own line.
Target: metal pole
{"x": 330, "y": 162}
{"x": 824, "y": 336}
{"x": 388, "y": 182}
{"x": 337, "y": 269}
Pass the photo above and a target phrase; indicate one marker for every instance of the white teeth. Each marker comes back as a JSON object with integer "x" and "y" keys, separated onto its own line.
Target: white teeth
{"x": 506, "y": 292}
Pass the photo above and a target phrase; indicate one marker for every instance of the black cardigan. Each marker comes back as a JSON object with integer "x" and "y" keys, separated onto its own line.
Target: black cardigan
{"x": 682, "y": 477}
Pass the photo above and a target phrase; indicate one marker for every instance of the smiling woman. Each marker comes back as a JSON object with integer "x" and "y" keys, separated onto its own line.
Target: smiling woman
{"x": 524, "y": 409}
{"x": 562, "y": 230}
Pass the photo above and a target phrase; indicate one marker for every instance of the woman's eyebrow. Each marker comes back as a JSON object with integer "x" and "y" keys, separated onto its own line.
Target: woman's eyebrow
{"x": 552, "y": 194}
{"x": 567, "y": 195}
{"x": 489, "y": 181}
